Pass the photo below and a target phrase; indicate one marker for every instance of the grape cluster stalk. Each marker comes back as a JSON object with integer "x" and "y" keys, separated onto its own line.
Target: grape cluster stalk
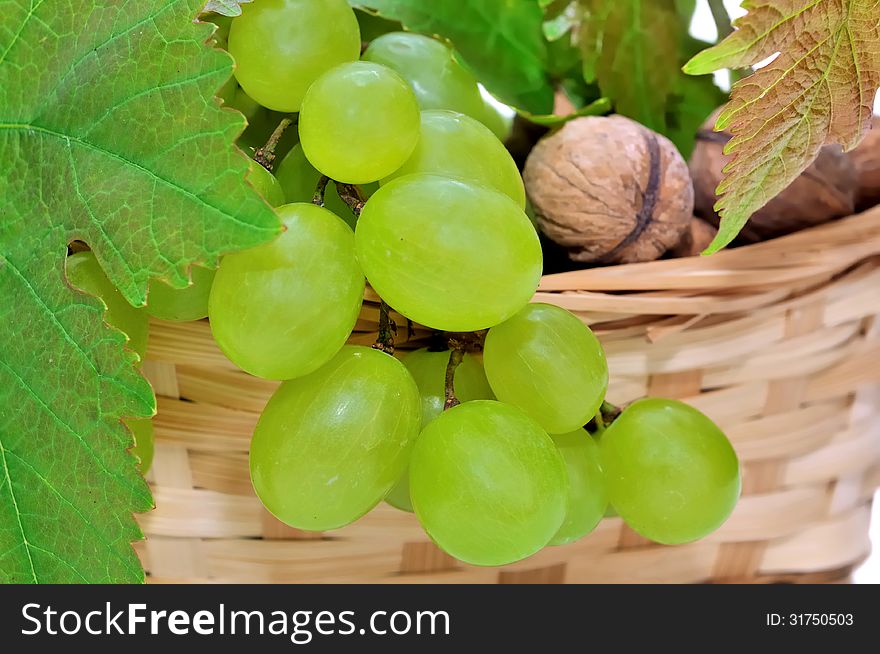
{"x": 498, "y": 437}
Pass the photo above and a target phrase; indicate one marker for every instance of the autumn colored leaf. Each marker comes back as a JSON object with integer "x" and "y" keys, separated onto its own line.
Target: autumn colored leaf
{"x": 109, "y": 134}
{"x": 819, "y": 90}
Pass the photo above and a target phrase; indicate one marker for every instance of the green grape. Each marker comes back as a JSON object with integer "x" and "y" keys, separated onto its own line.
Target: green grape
{"x": 548, "y": 363}
{"x": 182, "y": 304}
{"x": 227, "y": 91}
{"x": 281, "y": 47}
{"x": 447, "y": 254}
{"x": 223, "y": 23}
{"x": 672, "y": 474}
{"x": 244, "y": 103}
{"x": 454, "y": 145}
{"x": 587, "y": 493}
{"x": 329, "y": 446}
{"x": 142, "y": 430}
{"x": 487, "y": 484}
{"x": 85, "y": 273}
{"x": 429, "y": 371}
{"x": 299, "y": 179}
{"x": 429, "y": 66}
{"x": 501, "y": 124}
{"x": 359, "y": 122}
{"x": 266, "y": 184}
{"x": 283, "y": 309}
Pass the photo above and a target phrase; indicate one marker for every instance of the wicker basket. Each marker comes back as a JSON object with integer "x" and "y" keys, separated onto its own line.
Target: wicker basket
{"x": 778, "y": 342}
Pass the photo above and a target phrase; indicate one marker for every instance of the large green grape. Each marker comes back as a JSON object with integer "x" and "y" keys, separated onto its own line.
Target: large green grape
{"x": 429, "y": 66}
{"x": 672, "y": 474}
{"x": 548, "y": 363}
{"x": 359, "y": 123}
{"x": 487, "y": 484}
{"x": 182, "y": 304}
{"x": 329, "y": 446}
{"x": 266, "y": 184}
{"x": 299, "y": 179}
{"x": 283, "y": 309}
{"x": 587, "y": 492}
{"x": 429, "y": 372}
{"x": 85, "y": 273}
{"x": 448, "y": 254}
{"x": 281, "y": 47}
{"x": 191, "y": 303}
{"x": 500, "y": 124}
{"x": 455, "y": 145}
{"x": 142, "y": 430}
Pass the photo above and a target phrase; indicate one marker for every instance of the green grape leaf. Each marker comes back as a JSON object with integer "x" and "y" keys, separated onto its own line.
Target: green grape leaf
{"x": 226, "y": 7}
{"x": 109, "y": 134}
{"x": 819, "y": 89}
{"x": 500, "y": 40}
{"x": 631, "y": 48}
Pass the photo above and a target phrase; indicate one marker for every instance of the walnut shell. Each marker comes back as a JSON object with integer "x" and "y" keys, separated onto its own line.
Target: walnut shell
{"x": 696, "y": 239}
{"x": 866, "y": 159}
{"x": 609, "y": 190}
{"x": 824, "y": 191}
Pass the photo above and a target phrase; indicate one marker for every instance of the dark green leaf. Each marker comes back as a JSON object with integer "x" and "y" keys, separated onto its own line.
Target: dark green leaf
{"x": 109, "y": 133}
{"x": 631, "y": 47}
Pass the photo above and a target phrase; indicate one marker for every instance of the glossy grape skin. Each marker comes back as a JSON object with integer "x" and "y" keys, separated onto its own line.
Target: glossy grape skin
{"x": 142, "y": 430}
{"x": 672, "y": 474}
{"x": 500, "y": 124}
{"x": 182, "y": 304}
{"x": 85, "y": 273}
{"x": 428, "y": 369}
{"x": 299, "y": 179}
{"x": 430, "y": 68}
{"x": 281, "y": 47}
{"x": 359, "y": 123}
{"x": 587, "y": 492}
{"x": 329, "y": 446}
{"x": 265, "y": 184}
{"x": 448, "y": 254}
{"x": 548, "y": 363}
{"x": 283, "y": 309}
{"x": 455, "y": 145}
{"x": 487, "y": 484}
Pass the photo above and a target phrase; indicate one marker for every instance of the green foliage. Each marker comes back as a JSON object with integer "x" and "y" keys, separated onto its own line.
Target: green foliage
{"x": 501, "y": 41}
{"x": 109, "y": 133}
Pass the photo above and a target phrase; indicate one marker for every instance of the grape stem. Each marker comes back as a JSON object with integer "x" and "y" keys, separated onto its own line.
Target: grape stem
{"x": 607, "y": 414}
{"x": 459, "y": 343}
{"x": 352, "y": 196}
{"x": 318, "y": 197}
{"x": 265, "y": 156}
{"x": 387, "y": 330}
{"x": 455, "y": 358}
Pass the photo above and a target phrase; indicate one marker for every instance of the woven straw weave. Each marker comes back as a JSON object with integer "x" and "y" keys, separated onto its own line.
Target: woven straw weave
{"x": 778, "y": 342}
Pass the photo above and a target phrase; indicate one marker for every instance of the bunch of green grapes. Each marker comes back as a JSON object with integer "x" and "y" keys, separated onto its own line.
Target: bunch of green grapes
{"x": 496, "y": 439}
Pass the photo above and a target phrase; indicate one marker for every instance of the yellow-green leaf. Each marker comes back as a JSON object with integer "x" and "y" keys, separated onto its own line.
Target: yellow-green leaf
{"x": 110, "y": 134}
{"x": 819, "y": 89}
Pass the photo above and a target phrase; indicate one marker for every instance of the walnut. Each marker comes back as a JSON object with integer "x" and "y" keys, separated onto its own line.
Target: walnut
{"x": 866, "y": 159}
{"x": 696, "y": 239}
{"x": 609, "y": 190}
{"x": 826, "y": 190}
